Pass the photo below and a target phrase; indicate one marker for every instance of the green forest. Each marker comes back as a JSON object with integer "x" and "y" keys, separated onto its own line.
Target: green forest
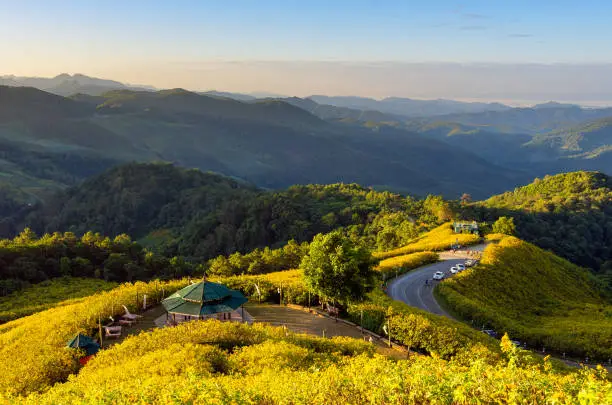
{"x": 569, "y": 214}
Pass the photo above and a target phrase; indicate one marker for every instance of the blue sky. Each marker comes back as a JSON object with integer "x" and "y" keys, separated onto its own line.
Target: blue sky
{"x": 159, "y": 41}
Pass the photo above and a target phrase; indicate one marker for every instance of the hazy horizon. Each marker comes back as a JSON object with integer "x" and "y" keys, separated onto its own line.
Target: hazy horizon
{"x": 512, "y": 52}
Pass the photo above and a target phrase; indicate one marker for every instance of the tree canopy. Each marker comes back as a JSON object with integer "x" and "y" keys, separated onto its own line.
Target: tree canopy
{"x": 338, "y": 269}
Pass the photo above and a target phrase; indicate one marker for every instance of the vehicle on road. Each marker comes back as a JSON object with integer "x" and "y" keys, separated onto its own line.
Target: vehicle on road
{"x": 438, "y": 275}
{"x": 491, "y": 333}
{"x": 460, "y": 267}
{"x": 516, "y": 343}
{"x": 469, "y": 263}
{"x": 454, "y": 270}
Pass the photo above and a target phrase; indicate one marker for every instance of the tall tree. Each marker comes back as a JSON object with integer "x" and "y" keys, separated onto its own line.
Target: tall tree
{"x": 504, "y": 225}
{"x": 337, "y": 268}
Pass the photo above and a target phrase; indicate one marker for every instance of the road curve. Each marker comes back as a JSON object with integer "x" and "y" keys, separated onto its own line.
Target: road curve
{"x": 410, "y": 288}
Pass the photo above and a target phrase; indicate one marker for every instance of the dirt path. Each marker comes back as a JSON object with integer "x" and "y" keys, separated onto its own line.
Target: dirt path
{"x": 300, "y": 321}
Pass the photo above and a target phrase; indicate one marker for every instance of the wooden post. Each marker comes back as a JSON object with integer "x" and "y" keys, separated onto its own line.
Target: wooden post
{"x": 361, "y": 322}
{"x": 100, "y": 329}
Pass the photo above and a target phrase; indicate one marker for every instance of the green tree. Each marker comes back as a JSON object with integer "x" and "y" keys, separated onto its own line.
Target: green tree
{"x": 338, "y": 269}
{"x": 504, "y": 225}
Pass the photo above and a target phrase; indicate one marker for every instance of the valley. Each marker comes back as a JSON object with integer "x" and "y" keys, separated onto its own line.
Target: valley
{"x": 119, "y": 194}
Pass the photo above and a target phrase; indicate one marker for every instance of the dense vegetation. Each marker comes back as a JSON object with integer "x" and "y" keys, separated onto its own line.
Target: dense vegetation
{"x": 440, "y": 238}
{"x": 203, "y": 215}
{"x": 570, "y": 214}
{"x": 259, "y": 261}
{"x": 32, "y": 348}
{"x": 536, "y": 297}
{"x": 400, "y": 264}
{"x": 269, "y": 287}
{"x": 44, "y": 295}
{"x": 213, "y": 362}
{"x": 337, "y": 269}
{"x": 27, "y": 259}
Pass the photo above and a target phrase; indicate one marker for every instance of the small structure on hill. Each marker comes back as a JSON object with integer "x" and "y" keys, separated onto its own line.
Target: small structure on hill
{"x": 204, "y": 300}
{"x": 90, "y": 346}
{"x": 465, "y": 227}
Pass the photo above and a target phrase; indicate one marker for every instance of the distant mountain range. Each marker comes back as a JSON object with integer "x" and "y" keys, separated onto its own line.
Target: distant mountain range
{"x": 407, "y": 107}
{"x": 66, "y": 85}
{"x": 49, "y": 141}
{"x": 267, "y": 142}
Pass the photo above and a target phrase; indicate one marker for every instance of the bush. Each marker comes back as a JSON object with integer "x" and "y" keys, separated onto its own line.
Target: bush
{"x": 405, "y": 263}
{"x": 291, "y": 281}
{"x": 440, "y": 238}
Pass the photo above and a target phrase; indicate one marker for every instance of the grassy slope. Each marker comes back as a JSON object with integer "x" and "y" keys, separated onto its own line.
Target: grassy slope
{"x": 213, "y": 362}
{"x": 570, "y": 214}
{"x": 440, "y": 238}
{"x": 535, "y": 296}
{"x": 39, "y": 297}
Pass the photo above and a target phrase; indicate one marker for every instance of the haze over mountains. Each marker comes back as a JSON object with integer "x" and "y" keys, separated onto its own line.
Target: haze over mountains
{"x": 413, "y": 146}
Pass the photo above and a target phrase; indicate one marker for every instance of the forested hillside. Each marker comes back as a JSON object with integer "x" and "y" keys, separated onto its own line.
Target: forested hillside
{"x": 270, "y": 143}
{"x": 202, "y": 215}
{"x": 570, "y": 214}
{"x": 536, "y": 297}
{"x": 28, "y": 259}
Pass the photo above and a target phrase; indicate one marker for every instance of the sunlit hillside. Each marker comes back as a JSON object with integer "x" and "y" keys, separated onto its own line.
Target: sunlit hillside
{"x": 211, "y": 362}
{"x": 440, "y": 238}
{"x": 536, "y": 297}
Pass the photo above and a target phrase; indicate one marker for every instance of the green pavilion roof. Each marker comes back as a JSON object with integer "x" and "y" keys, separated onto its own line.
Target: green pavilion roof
{"x": 204, "y": 298}
{"x": 86, "y": 343}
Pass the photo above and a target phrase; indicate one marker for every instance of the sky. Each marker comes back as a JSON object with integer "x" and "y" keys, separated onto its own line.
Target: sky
{"x": 496, "y": 49}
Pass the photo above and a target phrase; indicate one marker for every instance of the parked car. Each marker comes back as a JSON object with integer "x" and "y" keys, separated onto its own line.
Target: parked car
{"x": 454, "y": 270}
{"x": 460, "y": 267}
{"x": 491, "y": 333}
{"x": 438, "y": 275}
{"x": 469, "y": 263}
{"x": 516, "y": 343}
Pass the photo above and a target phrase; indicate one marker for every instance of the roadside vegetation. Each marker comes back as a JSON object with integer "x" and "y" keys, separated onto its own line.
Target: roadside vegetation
{"x": 440, "y": 238}
{"x": 535, "y": 297}
{"x": 401, "y": 264}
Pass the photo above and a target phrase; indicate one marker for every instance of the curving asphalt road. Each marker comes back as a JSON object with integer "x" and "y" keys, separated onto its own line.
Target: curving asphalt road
{"x": 410, "y": 288}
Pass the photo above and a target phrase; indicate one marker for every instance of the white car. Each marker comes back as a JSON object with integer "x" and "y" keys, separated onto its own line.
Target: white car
{"x": 454, "y": 270}
{"x": 460, "y": 267}
{"x": 438, "y": 275}
{"x": 469, "y": 263}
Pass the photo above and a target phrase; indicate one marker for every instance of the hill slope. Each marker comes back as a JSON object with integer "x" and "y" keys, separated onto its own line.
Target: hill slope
{"x": 204, "y": 214}
{"x": 270, "y": 143}
{"x": 569, "y": 213}
{"x": 534, "y": 296}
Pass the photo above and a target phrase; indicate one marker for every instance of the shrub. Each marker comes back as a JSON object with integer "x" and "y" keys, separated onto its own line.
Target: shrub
{"x": 440, "y": 238}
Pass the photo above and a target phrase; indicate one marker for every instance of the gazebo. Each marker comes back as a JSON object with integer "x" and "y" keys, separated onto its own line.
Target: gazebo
{"x": 204, "y": 300}
{"x": 90, "y": 346}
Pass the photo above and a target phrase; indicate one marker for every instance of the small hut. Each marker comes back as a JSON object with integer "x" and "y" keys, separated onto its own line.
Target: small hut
{"x": 90, "y": 346}
{"x": 204, "y": 300}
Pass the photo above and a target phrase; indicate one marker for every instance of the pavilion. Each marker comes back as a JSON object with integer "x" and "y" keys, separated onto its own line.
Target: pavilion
{"x": 87, "y": 344}
{"x": 204, "y": 300}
